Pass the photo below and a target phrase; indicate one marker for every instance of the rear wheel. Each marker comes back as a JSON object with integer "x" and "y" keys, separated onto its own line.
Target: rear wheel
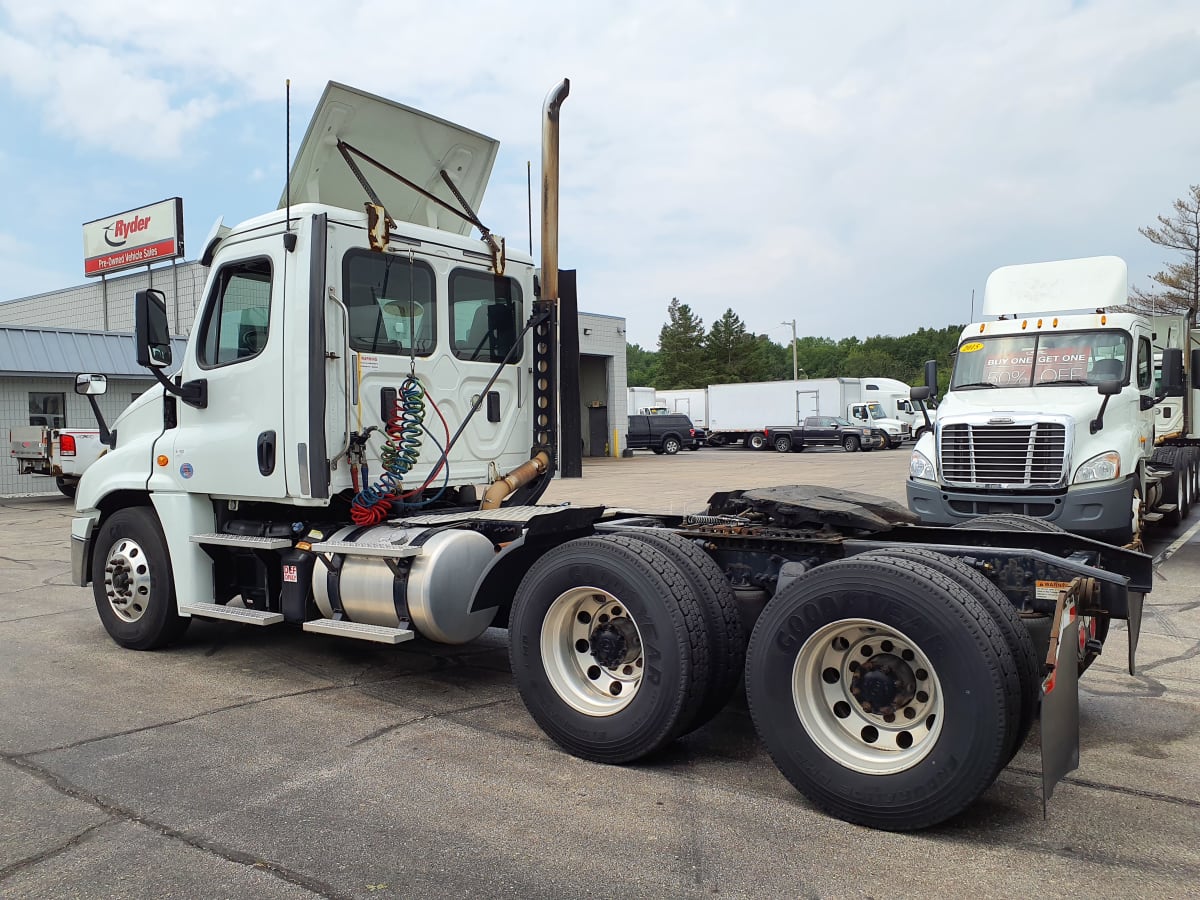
{"x": 1008, "y": 522}
{"x": 608, "y": 648}
{"x": 722, "y": 619}
{"x": 851, "y": 443}
{"x": 67, "y": 486}
{"x": 756, "y": 441}
{"x": 671, "y": 445}
{"x": 1006, "y": 616}
{"x": 783, "y": 444}
{"x": 132, "y": 581}
{"x": 881, "y": 689}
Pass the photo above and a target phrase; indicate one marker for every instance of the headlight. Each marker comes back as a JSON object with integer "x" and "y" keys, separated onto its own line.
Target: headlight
{"x": 920, "y": 467}
{"x": 1104, "y": 467}
{"x": 891, "y": 429}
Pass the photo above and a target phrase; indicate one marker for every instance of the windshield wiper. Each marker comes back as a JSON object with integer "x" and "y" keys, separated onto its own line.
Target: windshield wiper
{"x": 1064, "y": 381}
{"x": 974, "y": 384}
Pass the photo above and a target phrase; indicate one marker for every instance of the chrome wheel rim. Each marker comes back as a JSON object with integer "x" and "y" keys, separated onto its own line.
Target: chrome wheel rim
{"x": 592, "y": 651}
{"x": 127, "y": 580}
{"x": 867, "y": 696}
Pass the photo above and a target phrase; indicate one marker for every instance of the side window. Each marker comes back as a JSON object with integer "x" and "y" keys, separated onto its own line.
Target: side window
{"x": 485, "y": 315}
{"x": 48, "y": 409}
{"x": 1145, "y": 369}
{"x": 238, "y": 316}
{"x": 390, "y": 300}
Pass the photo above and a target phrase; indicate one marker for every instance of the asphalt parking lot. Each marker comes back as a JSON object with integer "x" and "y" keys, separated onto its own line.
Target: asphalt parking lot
{"x": 270, "y": 763}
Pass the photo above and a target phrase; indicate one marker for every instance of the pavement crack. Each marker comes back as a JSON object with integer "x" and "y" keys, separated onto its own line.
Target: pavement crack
{"x": 396, "y": 726}
{"x": 229, "y": 854}
{"x": 51, "y": 852}
{"x": 83, "y": 742}
{"x": 1112, "y": 788}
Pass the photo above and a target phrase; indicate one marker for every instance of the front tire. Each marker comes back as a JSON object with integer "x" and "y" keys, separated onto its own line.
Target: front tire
{"x": 132, "y": 581}
{"x": 608, "y": 648}
{"x": 851, "y": 443}
{"x": 880, "y": 688}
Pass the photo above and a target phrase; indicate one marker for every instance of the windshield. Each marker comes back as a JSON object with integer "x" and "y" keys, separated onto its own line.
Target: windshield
{"x": 876, "y": 411}
{"x": 1034, "y": 360}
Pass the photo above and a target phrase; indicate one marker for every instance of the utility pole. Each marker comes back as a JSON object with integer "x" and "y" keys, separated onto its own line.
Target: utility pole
{"x": 795, "y": 360}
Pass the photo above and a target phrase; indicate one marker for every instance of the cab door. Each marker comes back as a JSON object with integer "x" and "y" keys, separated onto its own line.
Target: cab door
{"x": 231, "y": 447}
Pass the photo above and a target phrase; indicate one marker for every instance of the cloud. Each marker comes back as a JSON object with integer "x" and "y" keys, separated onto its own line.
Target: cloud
{"x": 842, "y": 165}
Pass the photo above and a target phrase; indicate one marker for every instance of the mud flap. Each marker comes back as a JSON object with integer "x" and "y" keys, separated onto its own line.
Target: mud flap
{"x": 1135, "y": 627}
{"x": 1060, "y": 706}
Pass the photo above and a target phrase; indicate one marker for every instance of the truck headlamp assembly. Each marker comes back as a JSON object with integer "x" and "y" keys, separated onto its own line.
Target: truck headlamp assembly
{"x": 921, "y": 468}
{"x": 1104, "y": 467}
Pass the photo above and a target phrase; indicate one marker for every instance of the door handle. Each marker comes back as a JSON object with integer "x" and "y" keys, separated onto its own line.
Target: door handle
{"x": 266, "y": 452}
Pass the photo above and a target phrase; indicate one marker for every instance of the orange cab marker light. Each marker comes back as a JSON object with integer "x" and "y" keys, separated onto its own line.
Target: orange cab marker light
{"x": 163, "y": 461}
{"x": 1056, "y": 323}
{"x": 981, "y": 327}
{"x": 1039, "y": 323}
{"x": 1024, "y": 324}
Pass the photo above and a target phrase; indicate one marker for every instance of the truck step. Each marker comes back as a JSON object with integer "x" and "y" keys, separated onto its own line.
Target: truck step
{"x": 378, "y": 633}
{"x": 246, "y": 541}
{"x": 1153, "y": 518}
{"x": 232, "y": 613}
{"x": 361, "y": 548}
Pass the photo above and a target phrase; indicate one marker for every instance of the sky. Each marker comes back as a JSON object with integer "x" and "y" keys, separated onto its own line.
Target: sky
{"x": 857, "y": 167}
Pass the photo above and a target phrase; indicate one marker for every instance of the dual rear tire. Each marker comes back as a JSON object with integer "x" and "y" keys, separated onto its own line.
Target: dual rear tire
{"x": 890, "y": 688}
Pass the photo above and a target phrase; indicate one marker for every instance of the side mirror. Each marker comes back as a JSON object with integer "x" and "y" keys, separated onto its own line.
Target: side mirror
{"x": 920, "y": 393}
{"x": 1109, "y": 387}
{"x": 91, "y": 385}
{"x": 931, "y": 376}
{"x": 152, "y": 334}
{"x": 1172, "y": 372}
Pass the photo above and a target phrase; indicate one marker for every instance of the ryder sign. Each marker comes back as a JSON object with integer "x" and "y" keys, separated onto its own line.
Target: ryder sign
{"x": 136, "y": 238}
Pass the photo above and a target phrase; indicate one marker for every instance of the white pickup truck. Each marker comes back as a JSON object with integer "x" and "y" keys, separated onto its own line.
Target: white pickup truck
{"x": 61, "y": 452}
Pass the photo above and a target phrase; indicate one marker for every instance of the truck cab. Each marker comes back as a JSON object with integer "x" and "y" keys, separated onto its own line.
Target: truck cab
{"x": 1051, "y": 410}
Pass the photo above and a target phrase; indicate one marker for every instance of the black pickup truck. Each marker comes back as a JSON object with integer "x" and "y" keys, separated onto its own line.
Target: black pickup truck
{"x": 826, "y": 431}
{"x": 665, "y": 433}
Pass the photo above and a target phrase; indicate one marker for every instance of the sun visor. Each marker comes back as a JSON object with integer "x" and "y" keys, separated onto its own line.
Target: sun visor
{"x": 412, "y": 143}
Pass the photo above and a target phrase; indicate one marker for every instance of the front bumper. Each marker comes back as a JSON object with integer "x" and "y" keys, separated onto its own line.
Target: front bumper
{"x": 1083, "y": 508}
{"x": 83, "y": 532}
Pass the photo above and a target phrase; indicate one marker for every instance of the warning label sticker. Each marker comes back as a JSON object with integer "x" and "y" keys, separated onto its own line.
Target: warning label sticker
{"x": 1048, "y": 590}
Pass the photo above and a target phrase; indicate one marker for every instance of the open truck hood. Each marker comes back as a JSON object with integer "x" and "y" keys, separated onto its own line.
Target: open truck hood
{"x": 411, "y": 143}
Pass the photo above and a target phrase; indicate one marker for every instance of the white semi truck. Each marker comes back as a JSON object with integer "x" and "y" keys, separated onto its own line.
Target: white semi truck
{"x": 745, "y": 413}
{"x": 365, "y": 417}
{"x": 1064, "y": 408}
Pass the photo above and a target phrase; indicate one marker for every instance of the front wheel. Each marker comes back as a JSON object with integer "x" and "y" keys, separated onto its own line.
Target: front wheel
{"x": 783, "y": 444}
{"x": 132, "y": 581}
{"x": 851, "y": 443}
{"x": 881, "y": 689}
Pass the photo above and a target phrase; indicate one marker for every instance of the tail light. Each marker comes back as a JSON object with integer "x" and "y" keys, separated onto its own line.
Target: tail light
{"x": 66, "y": 445}
{"x": 692, "y": 432}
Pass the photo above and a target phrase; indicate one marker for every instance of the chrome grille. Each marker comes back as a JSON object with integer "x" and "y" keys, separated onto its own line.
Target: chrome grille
{"x": 1024, "y": 455}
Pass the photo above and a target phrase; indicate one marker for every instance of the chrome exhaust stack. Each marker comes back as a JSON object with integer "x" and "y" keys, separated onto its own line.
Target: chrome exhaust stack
{"x": 550, "y": 129}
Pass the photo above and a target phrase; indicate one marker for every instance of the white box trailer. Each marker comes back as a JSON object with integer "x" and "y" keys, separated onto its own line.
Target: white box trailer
{"x": 743, "y": 413}
{"x": 693, "y": 403}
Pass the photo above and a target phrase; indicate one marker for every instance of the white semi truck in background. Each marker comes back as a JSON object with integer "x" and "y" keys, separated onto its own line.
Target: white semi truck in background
{"x": 1065, "y": 409}
{"x": 745, "y": 413}
{"x": 365, "y": 417}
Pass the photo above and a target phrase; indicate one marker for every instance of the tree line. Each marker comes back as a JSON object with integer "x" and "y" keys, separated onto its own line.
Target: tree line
{"x": 689, "y": 356}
